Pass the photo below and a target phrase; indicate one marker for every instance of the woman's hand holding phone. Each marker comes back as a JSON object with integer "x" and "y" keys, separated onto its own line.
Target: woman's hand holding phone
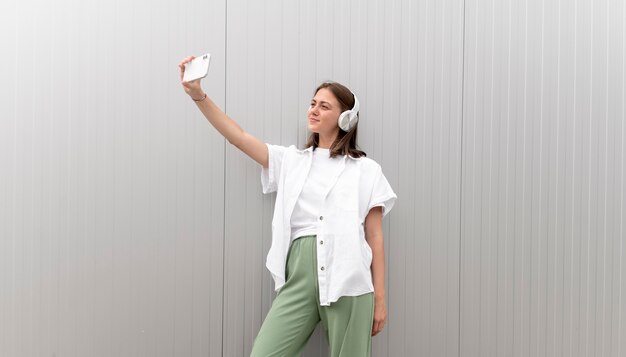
{"x": 192, "y": 88}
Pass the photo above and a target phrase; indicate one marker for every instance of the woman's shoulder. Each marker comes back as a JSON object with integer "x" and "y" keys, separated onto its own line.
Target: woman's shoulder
{"x": 289, "y": 153}
{"x": 367, "y": 163}
{"x": 283, "y": 148}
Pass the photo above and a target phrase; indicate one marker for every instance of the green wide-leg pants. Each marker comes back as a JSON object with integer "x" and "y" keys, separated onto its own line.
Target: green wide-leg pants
{"x": 296, "y": 311}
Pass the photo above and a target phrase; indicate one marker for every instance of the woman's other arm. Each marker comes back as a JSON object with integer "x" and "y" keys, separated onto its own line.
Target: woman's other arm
{"x": 374, "y": 237}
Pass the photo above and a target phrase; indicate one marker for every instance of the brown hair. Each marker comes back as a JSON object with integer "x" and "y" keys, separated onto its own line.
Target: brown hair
{"x": 345, "y": 143}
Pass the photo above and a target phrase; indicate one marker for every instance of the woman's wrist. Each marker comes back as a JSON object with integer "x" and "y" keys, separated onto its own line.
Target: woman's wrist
{"x": 198, "y": 97}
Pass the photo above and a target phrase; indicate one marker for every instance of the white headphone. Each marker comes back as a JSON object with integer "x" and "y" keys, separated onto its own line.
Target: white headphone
{"x": 349, "y": 118}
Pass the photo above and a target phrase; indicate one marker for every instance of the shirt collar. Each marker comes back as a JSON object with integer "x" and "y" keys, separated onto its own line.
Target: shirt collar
{"x": 310, "y": 150}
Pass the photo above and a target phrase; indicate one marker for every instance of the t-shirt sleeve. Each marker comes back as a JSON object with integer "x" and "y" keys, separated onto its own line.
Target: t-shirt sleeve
{"x": 382, "y": 193}
{"x": 270, "y": 175}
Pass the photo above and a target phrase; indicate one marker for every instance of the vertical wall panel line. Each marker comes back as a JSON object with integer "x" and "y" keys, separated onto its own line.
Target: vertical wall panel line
{"x": 225, "y": 145}
{"x": 606, "y": 177}
{"x": 622, "y": 179}
{"x": 573, "y": 193}
{"x": 461, "y": 168}
{"x": 556, "y": 191}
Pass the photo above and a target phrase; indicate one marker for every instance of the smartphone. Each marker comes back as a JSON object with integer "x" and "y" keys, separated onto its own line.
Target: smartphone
{"x": 198, "y": 68}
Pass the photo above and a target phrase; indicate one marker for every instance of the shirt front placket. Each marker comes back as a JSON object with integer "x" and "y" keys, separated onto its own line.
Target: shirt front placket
{"x": 322, "y": 244}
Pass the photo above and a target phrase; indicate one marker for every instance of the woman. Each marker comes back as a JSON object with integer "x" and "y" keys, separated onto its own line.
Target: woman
{"x": 327, "y": 253}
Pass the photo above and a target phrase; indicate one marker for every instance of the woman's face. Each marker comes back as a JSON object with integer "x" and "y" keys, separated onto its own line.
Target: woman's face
{"x": 324, "y": 113}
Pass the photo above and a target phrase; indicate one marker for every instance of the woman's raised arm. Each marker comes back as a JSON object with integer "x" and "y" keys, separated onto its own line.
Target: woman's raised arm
{"x": 248, "y": 144}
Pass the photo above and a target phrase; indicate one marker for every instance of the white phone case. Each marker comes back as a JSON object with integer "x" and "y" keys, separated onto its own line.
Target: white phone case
{"x": 198, "y": 68}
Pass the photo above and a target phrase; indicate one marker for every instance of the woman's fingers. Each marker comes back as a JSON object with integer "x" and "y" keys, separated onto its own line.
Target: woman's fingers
{"x": 380, "y": 315}
{"x": 182, "y": 64}
{"x": 377, "y": 328}
{"x": 188, "y": 59}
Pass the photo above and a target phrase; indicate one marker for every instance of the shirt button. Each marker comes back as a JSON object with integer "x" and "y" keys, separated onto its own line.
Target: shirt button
{"x": 321, "y": 242}
{"x": 321, "y": 218}
{"x": 322, "y": 268}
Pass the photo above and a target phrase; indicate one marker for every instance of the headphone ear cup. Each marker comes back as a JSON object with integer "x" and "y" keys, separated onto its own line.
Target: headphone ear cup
{"x": 348, "y": 119}
{"x": 354, "y": 118}
{"x": 344, "y": 120}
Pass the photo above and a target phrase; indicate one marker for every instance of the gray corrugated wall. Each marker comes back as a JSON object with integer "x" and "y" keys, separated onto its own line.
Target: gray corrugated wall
{"x": 542, "y": 223}
{"x": 129, "y": 228}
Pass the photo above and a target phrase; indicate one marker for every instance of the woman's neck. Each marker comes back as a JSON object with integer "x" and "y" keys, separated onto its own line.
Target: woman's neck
{"x": 326, "y": 141}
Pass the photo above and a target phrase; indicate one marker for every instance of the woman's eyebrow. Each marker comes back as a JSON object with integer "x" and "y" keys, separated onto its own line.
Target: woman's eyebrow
{"x": 321, "y": 102}
{"x": 325, "y": 102}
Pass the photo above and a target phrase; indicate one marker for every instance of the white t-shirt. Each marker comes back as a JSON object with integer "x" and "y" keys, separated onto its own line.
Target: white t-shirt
{"x": 324, "y": 171}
